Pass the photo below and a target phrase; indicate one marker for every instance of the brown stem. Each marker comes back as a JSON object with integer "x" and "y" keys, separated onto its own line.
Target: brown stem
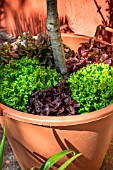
{"x": 53, "y": 27}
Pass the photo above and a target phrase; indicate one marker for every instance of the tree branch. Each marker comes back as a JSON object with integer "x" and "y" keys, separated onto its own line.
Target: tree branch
{"x": 53, "y": 27}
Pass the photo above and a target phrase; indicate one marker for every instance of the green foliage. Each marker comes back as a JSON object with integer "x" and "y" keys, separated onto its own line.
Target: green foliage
{"x": 52, "y": 160}
{"x": 19, "y": 78}
{"x": 92, "y": 86}
{"x": 2, "y": 144}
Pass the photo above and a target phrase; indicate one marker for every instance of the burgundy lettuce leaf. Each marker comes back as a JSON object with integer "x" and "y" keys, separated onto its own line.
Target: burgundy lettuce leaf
{"x": 53, "y": 102}
{"x": 90, "y": 53}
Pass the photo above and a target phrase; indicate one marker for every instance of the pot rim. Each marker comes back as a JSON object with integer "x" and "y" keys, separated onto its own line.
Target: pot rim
{"x": 58, "y": 120}
{"x": 75, "y": 35}
{"x": 72, "y": 35}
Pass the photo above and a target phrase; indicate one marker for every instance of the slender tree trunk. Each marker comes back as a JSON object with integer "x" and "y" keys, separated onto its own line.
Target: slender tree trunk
{"x": 53, "y": 27}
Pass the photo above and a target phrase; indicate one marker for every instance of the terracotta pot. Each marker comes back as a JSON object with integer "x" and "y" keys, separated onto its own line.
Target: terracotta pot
{"x": 79, "y": 17}
{"x": 2, "y": 107}
{"x": 36, "y": 138}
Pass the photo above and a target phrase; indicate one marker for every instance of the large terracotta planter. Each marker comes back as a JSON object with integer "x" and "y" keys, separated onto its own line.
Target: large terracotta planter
{"x": 36, "y": 138}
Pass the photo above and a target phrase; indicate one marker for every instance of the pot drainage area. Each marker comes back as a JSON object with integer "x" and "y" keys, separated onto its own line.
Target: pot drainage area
{"x": 10, "y": 162}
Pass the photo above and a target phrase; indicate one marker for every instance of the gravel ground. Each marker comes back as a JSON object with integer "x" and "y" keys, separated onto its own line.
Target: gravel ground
{"x": 10, "y": 162}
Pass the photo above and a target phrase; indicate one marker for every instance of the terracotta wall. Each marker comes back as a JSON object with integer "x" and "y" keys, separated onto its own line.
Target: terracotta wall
{"x": 77, "y": 16}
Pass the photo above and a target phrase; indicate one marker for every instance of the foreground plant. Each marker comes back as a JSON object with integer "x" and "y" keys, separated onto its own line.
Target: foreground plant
{"x": 2, "y": 144}
{"x": 53, "y": 159}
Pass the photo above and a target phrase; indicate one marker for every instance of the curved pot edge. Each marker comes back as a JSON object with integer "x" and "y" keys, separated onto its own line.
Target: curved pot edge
{"x": 57, "y": 120}
{"x": 75, "y": 35}
{"x": 2, "y": 107}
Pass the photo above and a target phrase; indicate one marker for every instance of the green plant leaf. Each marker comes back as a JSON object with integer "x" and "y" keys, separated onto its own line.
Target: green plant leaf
{"x": 92, "y": 87}
{"x": 20, "y": 78}
{"x": 2, "y": 144}
{"x": 63, "y": 166}
{"x": 32, "y": 168}
{"x": 53, "y": 159}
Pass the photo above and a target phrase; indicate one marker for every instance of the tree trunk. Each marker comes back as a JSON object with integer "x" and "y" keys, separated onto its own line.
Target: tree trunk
{"x": 53, "y": 27}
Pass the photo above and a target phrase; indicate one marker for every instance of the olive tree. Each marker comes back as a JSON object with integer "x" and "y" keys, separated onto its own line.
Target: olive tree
{"x": 53, "y": 27}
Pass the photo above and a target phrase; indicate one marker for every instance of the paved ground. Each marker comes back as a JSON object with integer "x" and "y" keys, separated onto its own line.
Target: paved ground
{"x": 10, "y": 162}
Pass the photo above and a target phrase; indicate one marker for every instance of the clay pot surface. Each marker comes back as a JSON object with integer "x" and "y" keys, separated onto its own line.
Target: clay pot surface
{"x": 79, "y": 17}
{"x": 2, "y": 107}
{"x": 35, "y": 138}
